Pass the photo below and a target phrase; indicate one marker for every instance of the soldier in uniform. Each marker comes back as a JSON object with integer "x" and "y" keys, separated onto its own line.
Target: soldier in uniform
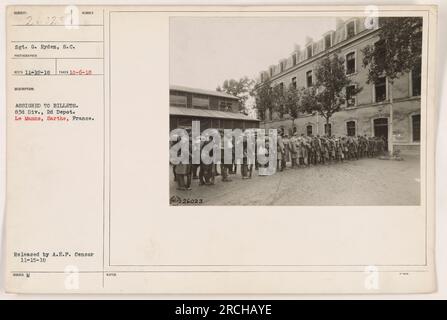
{"x": 183, "y": 170}
{"x": 279, "y": 152}
{"x": 362, "y": 146}
{"x": 195, "y": 167}
{"x": 286, "y": 154}
{"x": 233, "y": 168}
{"x": 338, "y": 150}
{"x": 324, "y": 150}
{"x": 310, "y": 152}
{"x": 318, "y": 148}
{"x": 331, "y": 149}
{"x": 264, "y": 150}
{"x": 294, "y": 149}
{"x": 347, "y": 148}
{"x": 350, "y": 148}
{"x": 301, "y": 150}
{"x": 246, "y": 168}
{"x": 206, "y": 172}
{"x": 370, "y": 147}
{"x": 355, "y": 143}
{"x": 225, "y": 167}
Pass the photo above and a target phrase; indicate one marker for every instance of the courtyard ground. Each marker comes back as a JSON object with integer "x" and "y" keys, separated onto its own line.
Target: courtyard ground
{"x": 361, "y": 182}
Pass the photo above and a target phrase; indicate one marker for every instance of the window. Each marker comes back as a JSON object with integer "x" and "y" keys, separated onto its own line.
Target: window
{"x": 282, "y": 66}
{"x": 281, "y": 86}
{"x": 309, "y": 81}
{"x": 350, "y": 29}
{"x": 350, "y": 63}
{"x": 416, "y": 79}
{"x": 214, "y": 103}
{"x": 271, "y": 71}
{"x": 294, "y": 59}
{"x": 200, "y": 102}
{"x": 416, "y": 126}
{"x": 328, "y": 129}
{"x": 350, "y": 97}
{"x": 309, "y": 51}
{"x": 177, "y": 100}
{"x": 327, "y": 41}
{"x": 380, "y": 90}
{"x": 184, "y": 122}
{"x": 294, "y": 130}
{"x": 225, "y": 105}
{"x": 294, "y": 82}
{"x": 309, "y": 130}
{"x": 350, "y": 128}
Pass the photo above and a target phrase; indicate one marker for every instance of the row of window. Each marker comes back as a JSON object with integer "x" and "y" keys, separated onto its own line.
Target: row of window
{"x": 350, "y": 69}
{"x": 350, "y": 129}
{"x": 209, "y": 123}
{"x": 380, "y": 87}
{"x": 380, "y": 128}
{"x": 199, "y": 102}
{"x": 350, "y": 32}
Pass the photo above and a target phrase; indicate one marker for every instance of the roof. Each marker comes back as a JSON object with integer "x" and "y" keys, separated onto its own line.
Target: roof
{"x": 203, "y": 91}
{"x": 201, "y": 113}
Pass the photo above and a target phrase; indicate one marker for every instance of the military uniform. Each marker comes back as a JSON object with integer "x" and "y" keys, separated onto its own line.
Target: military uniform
{"x": 183, "y": 171}
{"x": 207, "y": 171}
{"x": 279, "y": 153}
{"x": 294, "y": 150}
{"x": 286, "y": 154}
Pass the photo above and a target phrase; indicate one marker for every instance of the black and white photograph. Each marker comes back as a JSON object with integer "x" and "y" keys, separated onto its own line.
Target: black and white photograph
{"x": 303, "y": 156}
{"x": 296, "y": 111}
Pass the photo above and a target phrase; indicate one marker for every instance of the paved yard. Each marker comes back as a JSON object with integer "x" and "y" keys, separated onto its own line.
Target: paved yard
{"x": 361, "y": 182}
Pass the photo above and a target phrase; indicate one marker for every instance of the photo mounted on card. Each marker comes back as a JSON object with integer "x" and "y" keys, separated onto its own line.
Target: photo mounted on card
{"x": 320, "y": 116}
{"x": 221, "y": 149}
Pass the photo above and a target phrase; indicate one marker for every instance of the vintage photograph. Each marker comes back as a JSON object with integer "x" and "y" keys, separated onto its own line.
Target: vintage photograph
{"x": 309, "y": 111}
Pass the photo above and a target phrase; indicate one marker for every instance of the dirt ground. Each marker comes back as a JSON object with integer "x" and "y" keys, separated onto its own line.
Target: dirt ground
{"x": 361, "y": 182}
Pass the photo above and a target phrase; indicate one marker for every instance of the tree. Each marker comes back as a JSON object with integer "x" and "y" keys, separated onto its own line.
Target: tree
{"x": 241, "y": 89}
{"x": 328, "y": 94}
{"x": 278, "y": 99}
{"x": 263, "y": 99}
{"x": 292, "y": 102}
{"x": 397, "y": 52}
{"x": 269, "y": 98}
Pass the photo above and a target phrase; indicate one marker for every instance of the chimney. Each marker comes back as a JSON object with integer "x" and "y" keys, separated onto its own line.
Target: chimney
{"x": 339, "y": 22}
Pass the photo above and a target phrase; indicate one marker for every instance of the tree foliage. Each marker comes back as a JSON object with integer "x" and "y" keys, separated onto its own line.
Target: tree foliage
{"x": 328, "y": 94}
{"x": 278, "y": 95}
{"x": 241, "y": 89}
{"x": 292, "y": 102}
{"x": 263, "y": 99}
{"x": 398, "y": 50}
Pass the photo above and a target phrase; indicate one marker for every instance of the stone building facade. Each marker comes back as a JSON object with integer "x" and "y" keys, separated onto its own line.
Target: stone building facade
{"x": 368, "y": 112}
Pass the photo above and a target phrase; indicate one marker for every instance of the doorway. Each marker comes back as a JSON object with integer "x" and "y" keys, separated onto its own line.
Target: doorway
{"x": 381, "y": 129}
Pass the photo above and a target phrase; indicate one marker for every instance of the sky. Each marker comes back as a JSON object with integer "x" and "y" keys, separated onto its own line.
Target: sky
{"x": 205, "y": 51}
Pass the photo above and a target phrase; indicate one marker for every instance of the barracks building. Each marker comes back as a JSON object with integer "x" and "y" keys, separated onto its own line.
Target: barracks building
{"x": 365, "y": 113}
{"x": 214, "y": 109}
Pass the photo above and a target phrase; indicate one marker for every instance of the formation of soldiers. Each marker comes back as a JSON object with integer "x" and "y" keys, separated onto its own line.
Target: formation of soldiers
{"x": 297, "y": 150}
{"x": 301, "y": 150}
